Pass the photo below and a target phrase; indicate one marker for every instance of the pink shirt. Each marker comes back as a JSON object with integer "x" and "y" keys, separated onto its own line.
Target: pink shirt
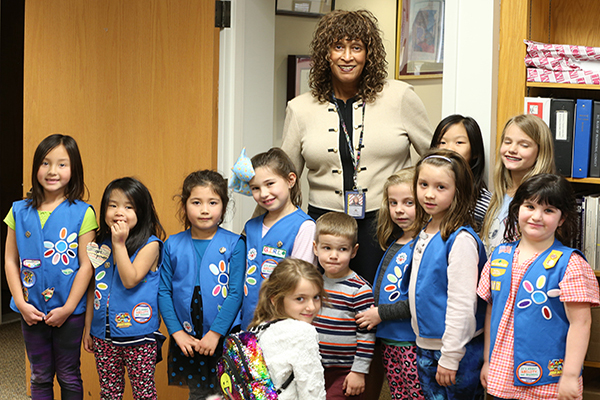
{"x": 579, "y": 285}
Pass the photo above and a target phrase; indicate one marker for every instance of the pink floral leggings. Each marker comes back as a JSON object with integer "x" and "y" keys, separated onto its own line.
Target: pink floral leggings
{"x": 400, "y": 364}
{"x": 111, "y": 361}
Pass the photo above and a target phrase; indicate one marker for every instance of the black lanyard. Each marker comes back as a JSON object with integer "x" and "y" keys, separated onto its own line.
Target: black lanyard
{"x": 355, "y": 156}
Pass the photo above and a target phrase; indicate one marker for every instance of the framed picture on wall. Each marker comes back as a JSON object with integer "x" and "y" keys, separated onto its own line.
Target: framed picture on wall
{"x": 304, "y": 8}
{"x": 420, "y": 41}
{"x": 298, "y": 72}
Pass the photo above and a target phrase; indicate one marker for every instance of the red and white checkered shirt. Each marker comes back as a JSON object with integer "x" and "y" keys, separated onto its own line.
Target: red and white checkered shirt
{"x": 579, "y": 284}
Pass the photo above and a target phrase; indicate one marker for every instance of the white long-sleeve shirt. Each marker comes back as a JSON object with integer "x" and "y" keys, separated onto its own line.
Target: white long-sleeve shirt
{"x": 463, "y": 274}
{"x": 292, "y": 345}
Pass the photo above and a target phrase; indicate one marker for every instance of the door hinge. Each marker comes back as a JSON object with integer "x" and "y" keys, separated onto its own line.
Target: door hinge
{"x": 222, "y": 14}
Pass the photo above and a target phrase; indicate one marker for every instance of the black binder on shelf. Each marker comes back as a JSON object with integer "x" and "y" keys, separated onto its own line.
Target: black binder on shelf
{"x": 562, "y": 119}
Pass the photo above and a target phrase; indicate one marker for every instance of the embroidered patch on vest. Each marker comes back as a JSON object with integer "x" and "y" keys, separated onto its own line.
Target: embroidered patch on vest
{"x": 48, "y": 293}
{"x": 504, "y": 249}
{"x": 142, "y": 313}
{"x": 187, "y": 326}
{"x": 222, "y": 278}
{"x": 401, "y": 258}
{"x": 496, "y": 272}
{"x": 31, "y": 264}
{"x": 67, "y": 271}
{"x": 25, "y": 294}
{"x": 555, "y": 367}
{"x": 552, "y": 259}
{"x": 498, "y": 262}
{"x": 27, "y": 234}
{"x": 252, "y": 254}
{"x": 529, "y": 372}
{"x": 267, "y": 268}
{"x": 495, "y": 285}
{"x": 63, "y": 249}
{"x": 97, "y": 255}
{"x": 123, "y": 320}
{"x": 273, "y": 252}
{"x": 28, "y": 278}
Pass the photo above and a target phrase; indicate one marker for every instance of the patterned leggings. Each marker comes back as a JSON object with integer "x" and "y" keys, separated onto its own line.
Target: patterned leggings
{"x": 400, "y": 364}
{"x": 111, "y": 361}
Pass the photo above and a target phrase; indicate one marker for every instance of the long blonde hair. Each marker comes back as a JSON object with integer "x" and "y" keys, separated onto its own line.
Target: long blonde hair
{"x": 538, "y": 131}
{"x": 386, "y": 228}
{"x": 283, "y": 280}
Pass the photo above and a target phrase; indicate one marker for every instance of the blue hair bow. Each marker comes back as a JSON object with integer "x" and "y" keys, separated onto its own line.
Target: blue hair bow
{"x": 243, "y": 172}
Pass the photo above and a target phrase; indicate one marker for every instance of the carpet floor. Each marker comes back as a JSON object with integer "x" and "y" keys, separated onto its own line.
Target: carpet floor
{"x": 12, "y": 362}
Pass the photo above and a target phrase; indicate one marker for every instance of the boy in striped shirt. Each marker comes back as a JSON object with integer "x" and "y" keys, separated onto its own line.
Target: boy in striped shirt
{"x": 346, "y": 349}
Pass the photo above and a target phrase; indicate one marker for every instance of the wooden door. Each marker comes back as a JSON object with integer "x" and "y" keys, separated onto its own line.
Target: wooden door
{"x": 135, "y": 83}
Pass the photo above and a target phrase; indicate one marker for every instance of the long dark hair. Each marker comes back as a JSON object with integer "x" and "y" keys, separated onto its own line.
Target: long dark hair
{"x": 204, "y": 178}
{"x": 548, "y": 189}
{"x": 477, "y": 162}
{"x": 75, "y": 189}
{"x": 147, "y": 219}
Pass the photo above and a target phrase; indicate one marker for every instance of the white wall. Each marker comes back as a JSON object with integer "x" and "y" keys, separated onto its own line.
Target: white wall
{"x": 471, "y": 64}
{"x": 246, "y": 92}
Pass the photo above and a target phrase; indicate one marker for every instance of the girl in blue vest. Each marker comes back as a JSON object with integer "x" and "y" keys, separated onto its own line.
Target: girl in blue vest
{"x": 47, "y": 268}
{"x": 446, "y": 316}
{"x": 539, "y": 294}
{"x": 396, "y": 215}
{"x": 122, "y": 331}
{"x": 201, "y": 284}
{"x": 284, "y": 230}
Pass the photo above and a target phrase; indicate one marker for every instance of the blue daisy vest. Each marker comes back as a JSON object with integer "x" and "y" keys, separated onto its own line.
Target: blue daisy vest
{"x": 214, "y": 275}
{"x": 391, "y": 292}
{"x": 264, "y": 253}
{"x": 131, "y": 312}
{"x": 540, "y": 320}
{"x": 49, "y": 256}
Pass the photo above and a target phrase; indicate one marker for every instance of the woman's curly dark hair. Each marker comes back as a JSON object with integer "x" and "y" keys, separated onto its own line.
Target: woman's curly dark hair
{"x": 352, "y": 25}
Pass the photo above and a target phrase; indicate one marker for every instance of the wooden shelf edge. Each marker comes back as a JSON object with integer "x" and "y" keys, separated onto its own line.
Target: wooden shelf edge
{"x": 584, "y": 180}
{"x": 592, "y": 364}
{"x": 597, "y": 272}
{"x": 562, "y": 85}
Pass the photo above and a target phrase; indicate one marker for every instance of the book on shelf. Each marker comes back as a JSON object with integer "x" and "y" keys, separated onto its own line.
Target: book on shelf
{"x": 590, "y": 234}
{"x": 582, "y": 138}
{"x": 561, "y": 124}
{"x": 595, "y": 149}
{"x": 539, "y": 106}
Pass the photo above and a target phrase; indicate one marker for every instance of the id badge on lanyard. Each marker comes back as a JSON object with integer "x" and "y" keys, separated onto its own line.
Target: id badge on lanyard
{"x": 355, "y": 202}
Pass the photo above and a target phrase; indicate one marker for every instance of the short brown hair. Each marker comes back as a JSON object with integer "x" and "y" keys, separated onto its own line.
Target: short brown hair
{"x": 337, "y": 224}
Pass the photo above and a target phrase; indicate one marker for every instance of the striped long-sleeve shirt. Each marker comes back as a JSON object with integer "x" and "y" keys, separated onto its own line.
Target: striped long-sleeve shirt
{"x": 341, "y": 342}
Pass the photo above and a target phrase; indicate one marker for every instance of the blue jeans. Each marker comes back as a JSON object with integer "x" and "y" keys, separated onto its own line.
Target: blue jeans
{"x": 468, "y": 385}
{"x": 51, "y": 351}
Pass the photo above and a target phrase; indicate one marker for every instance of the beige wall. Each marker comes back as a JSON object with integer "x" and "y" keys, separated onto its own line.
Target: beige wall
{"x": 293, "y": 35}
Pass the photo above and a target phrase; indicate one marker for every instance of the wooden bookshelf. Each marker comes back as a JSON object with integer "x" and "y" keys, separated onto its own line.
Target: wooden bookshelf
{"x": 548, "y": 21}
